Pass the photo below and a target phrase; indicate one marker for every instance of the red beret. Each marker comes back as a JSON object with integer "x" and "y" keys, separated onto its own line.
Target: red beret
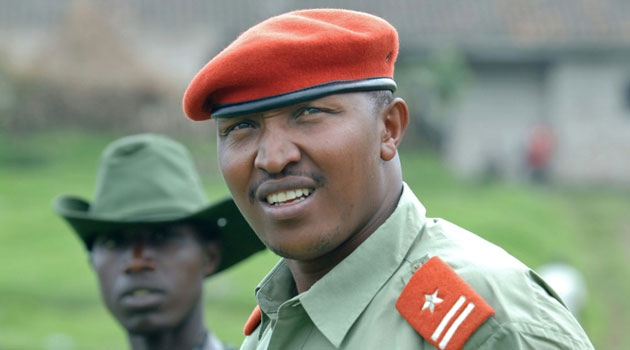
{"x": 295, "y": 57}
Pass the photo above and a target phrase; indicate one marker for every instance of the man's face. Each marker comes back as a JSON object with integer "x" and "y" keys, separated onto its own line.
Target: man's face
{"x": 151, "y": 278}
{"x": 306, "y": 177}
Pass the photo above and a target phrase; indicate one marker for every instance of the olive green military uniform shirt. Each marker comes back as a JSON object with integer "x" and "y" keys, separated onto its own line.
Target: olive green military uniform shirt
{"x": 353, "y": 306}
{"x": 211, "y": 342}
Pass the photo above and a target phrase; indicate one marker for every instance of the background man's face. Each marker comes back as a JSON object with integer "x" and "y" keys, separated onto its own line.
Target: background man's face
{"x": 306, "y": 177}
{"x": 150, "y": 278}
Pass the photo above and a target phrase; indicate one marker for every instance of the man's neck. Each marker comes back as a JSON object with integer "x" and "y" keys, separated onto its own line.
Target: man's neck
{"x": 306, "y": 273}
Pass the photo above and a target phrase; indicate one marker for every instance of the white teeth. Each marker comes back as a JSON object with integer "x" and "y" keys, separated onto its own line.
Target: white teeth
{"x": 281, "y": 197}
{"x": 140, "y": 292}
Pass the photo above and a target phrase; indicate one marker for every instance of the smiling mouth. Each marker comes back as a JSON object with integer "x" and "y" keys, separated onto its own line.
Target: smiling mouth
{"x": 288, "y": 197}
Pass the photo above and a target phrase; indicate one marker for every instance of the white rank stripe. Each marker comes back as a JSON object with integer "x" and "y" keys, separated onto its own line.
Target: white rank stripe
{"x": 447, "y": 318}
{"x": 456, "y": 324}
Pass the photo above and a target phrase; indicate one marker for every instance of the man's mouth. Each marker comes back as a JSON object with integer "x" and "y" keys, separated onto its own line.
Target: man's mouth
{"x": 142, "y": 298}
{"x": 139, "y": 292}
{"x": 289, "y": 196}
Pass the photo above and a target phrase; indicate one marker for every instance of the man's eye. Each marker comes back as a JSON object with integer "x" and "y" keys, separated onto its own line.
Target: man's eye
{"x": 110, "y": 242}
{"x": 304, "y": 111}
{"x": 165, "y": 235}
{"x": 241, "y": 125}
{"x": 161, "y": 236}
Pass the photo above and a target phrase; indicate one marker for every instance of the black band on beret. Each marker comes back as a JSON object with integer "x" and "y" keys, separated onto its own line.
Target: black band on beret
{"x": 311, "y": 93}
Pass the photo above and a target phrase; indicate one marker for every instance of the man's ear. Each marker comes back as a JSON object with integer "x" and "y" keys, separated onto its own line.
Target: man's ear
{"x": 212, "y": 252}
{"x": 395, "y": 117}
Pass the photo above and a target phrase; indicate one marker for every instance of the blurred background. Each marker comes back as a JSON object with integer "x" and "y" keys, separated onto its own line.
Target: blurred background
{"x": 520, "y": 132}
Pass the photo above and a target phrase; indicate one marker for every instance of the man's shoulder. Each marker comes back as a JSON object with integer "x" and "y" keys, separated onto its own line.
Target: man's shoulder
{"x": 521, "y": 301}
{"x": 502, "y": 280}
{"x": 473, "y": 258}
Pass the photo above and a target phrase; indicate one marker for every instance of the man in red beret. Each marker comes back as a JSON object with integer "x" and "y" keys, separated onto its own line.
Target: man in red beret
{"x": 308, "y": 130}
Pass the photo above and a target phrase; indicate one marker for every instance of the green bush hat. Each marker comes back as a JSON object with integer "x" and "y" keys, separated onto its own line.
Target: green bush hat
{"x": 149, "y": 179}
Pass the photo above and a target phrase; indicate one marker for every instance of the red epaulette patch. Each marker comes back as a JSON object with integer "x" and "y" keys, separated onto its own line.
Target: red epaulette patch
{"x": 441, "y": 306}
{"x": 253, "y": 321}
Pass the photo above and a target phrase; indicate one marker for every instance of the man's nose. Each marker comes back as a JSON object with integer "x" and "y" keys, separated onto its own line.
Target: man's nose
{"x": 276, "y": 150}
{"x": 141, "y": 259}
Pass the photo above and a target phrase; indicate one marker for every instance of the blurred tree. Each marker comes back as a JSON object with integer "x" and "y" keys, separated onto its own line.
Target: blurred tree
{"x": 85, "y": 77}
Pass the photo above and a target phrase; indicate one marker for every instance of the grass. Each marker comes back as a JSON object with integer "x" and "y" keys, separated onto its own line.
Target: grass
{"x": 49, "y": 296}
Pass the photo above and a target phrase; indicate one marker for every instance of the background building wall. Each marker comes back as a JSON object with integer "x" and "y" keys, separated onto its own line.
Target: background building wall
{"x": 489, "y": 125}
{"x": 590, "y": 110}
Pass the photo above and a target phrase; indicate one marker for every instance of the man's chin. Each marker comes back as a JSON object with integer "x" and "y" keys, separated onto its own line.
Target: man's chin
{"x": 145, "y": 324}
{"x": 304, "y": 254}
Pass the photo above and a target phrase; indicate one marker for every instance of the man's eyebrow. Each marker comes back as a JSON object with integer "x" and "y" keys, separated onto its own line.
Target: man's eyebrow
{"x": 228, "y": 121}
{"x": 274, "y": 112}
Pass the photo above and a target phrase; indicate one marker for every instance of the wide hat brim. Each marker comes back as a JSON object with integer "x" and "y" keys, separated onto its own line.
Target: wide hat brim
{"x": 238, "y": 239}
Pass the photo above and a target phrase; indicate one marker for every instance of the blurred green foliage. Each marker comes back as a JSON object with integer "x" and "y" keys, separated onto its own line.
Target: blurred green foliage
{"x": 48, "y": 294}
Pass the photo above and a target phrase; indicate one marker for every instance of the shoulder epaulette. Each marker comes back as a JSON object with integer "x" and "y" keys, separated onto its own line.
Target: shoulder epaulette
{"x": 253, "y": 321}
{"x": 441, "y": 306}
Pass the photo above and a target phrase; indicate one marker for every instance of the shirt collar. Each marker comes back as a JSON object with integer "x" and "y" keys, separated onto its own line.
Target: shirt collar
{"x": 276, "y": 288}
{"x": 328, "y": 303}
